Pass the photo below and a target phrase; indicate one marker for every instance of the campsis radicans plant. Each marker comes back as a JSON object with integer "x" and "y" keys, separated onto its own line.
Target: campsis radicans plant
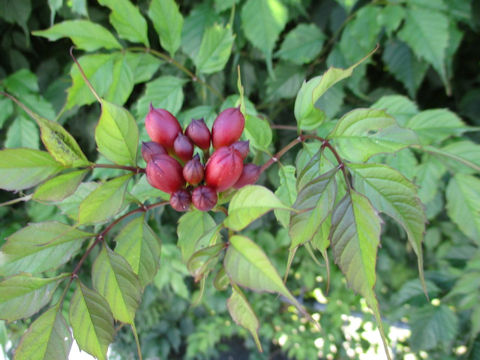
{"x": 330, "y": 202}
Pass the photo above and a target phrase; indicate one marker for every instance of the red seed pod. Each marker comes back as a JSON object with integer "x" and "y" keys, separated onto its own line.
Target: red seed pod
{"x": 183, "y": 147}
{"x": 162, "y": 127}
{"x": 204, "y": 198}
{"x": 150, "y": 149}
{"x": 165, "y": 173}
{"x": 198, "y": 132}
{"x": 181, "y": 200}
{"x": 228, "y": 127}
{"x": 223, "y": 168}
{"x": 193, "y": 171}
{"x": 250, "y": 175}
{"x": 243, "y": 147}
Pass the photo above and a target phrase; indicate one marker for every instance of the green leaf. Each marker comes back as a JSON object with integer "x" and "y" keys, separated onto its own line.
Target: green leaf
{"x": 427, "y": 177}
{"x": 59, "y": 187}
{"x": 143, "y": 191}
{"x": 168, "y": 22}
{"x": 426, "y": 32}
{"x": 258, "y": 131}
{"x": 189, "y": 241}
{"x": 40, "y": 247}
{"x": 70, "y": 205}
{"x": 302, "y": 44}
{"x": 463, "y": 204}
{"x": 436, "y": 125}
{"x": 202, "y": 261}
{"x": 432, "y": 326}
{"x": 104, "y": 202}
{"x": 22, "y": 295}
{"x": 164, "y": 92}
{"x": 142, "y": 65}
{"x": 262, "y": 23}
{"x": 7, "y": 110}
{"x": 412, "y": 290}
{"x": 22, "y": 133}
{"x": 140, "y": 246}
{"x": 127, "y": 20}
{"x": 47, "y": 338}
{"x": 286, "y": 83}
{"x": 247, "y": 265}
{"x": 307, "y": 115}
{"x": 391, "y": 193}
{"x": 404, "y": 65}
{"x": 286, "y": 192}
{"x": 116, "y": 134}
{"x": 462, "y": 156}
{"x": 215, "y": 49}
{"x": 355, "y": 236}
{"x": 316, "y": 200}
{"x": 362, "y": 133}
{"x": 23, "y": 168}
{"x": 122, "y": 81}
{"x": 91, "y": 321}
{"x": 248, "y": 204}
{"x": 85, "y": 35}
{"x": 114, "y": 279}
{"x": 398, "y": 106}
{"x": 243, "y": 314}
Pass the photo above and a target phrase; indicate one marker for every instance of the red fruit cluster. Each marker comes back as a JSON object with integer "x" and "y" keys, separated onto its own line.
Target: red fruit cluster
{"x": 172, "y": 168}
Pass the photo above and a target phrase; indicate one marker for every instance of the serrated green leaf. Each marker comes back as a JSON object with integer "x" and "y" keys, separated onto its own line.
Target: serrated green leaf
{"x": 164, "y": 92}
{"x": 258, "y": 131}
{"x": 391, "y": 16}
{"x": 104, "y": 202}
{"x": 426, "y": 32}
{"x": 116, "y": 134}
{"x": 59, "y": 187}
{"x": 461, "y": 156}
{"x": 391, "y": 193}
{"x": 286, "y": 192}
{"x": 247, "y": 265}
{"x": 262, "y": 23}
{"x": 127, "y": 20}
{"x": 463, "y": 204}
{"x": 315, "y": 200}
{"x": 286, "y": 82}
{"x": 114, "y": 279}
{"x": 23, "y": 168}
{"x": 47, "y": 338}
{"x": 22, "y": 133}
{"x": 398, "y": 106}
{"x": 362, "y": 133}
{"x": 141, "y": 247}
{"x": 215, "y": 49}
{"x": 91, "y": 321}
{"x": 168, "y": 22}
{"x": 40, "y": 247}
{"x": 22, "y": 295}
{"x": 122, "y": 81}
{"x": 85, "y": 34}
{"x": 203, "y": 260}
{"x": 70, "y": 205}
{"x": 205, "y": 230}
{"x": 302, "y": 44}
{"x": 143, "y": 65}
{"x": 248, "y": 204}
{"x": 243, "y": 314}
{"x": 436, "y": 125}
{"x": 427, "y": 177}
{"x": 307, "y": 115}
{"x": 432, "y": 326}
{"x": 7, "y": 110}
{"x": 414, "y": 289}
{"x": 404, "y": 65}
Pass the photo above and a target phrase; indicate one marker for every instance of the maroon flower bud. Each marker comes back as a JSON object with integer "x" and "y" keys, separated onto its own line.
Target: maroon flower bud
{"x": 243, "y": 147}
{"x": 250, "y": 175}
{"x": 181, "y": 200}
{"x": 204, "y": 198}
{"x": 150, "y": 149}
{"x": 183, "y": 147}
{"x": 228, "y": 127}
{"x": 198, "y": 132}
{"x": 165, "y": 173}
{"x": 162, "y": 127}
{"x": 193, "y": 171}
{"x": 223, "y": 168}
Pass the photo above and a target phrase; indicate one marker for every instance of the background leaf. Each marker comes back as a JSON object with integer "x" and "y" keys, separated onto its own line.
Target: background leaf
{"x": 302, "y": 44}
{"x": 215, "y": 49}
{"x": 59, "y": 187}
{"x": 168, "y": 22}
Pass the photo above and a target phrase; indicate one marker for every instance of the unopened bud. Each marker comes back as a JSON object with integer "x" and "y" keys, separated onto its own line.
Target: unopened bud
{"x": 150, "y": 149}
{"x": 198, "y": 132}
{"x": 181, "y": 200}
{"x": 193, "y": 171}
{"x": 250, "y": 175}
{"x": 227, "y": 127}
{"x": 165, "y": 173}
{"x": 162, "y": 127}
{"x": 223, "y": 168}
{"x": 183, "y": 147}
{"x": 204, "y": 198}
